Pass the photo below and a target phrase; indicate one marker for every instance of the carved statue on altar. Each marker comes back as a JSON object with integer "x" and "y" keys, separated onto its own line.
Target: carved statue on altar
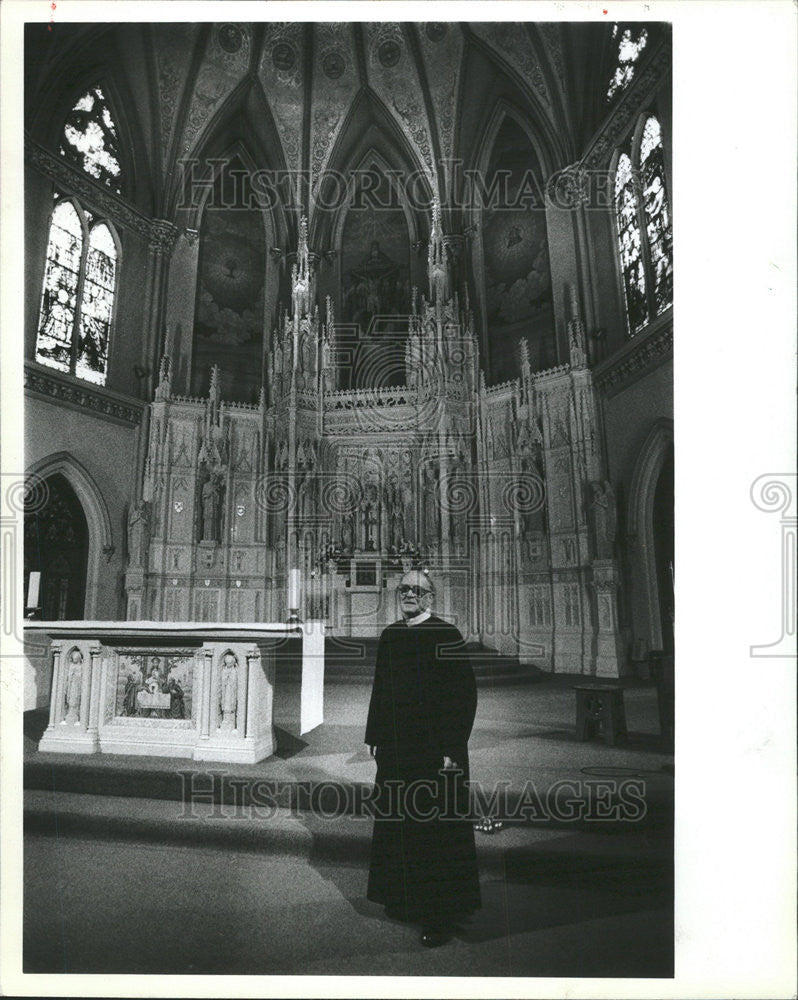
{"x": 370, "y": 523}
{"x": 397, "y": 524}
{"x": 211, "y": 491}
{"x": 138, "y": 533}
{"x": 74, "y": 685}
{"x": 347, "y": 533}
{"x": 603, "y": 510}
{"x": 228, "y": 692}
{"x": 431, "y": 502}
{"x": 457, "y": 531}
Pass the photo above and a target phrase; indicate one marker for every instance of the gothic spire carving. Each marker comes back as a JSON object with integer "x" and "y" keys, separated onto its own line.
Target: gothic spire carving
{"x": 437, "y": 261}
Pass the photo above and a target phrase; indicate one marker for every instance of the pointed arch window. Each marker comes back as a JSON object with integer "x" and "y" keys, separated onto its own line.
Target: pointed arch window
{"x": 628, "y": 42}
{"x": 90, "y": 139}
{"x": 643, "y": 226}
{"x": 78, "y": 293}
{"x": 657, "y": 215}
{"x": 629, "y": 246}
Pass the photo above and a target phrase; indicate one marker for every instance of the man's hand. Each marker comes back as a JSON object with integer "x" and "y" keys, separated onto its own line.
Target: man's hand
{"x": 372, "y": 750}
{"x": 448, "y": 763}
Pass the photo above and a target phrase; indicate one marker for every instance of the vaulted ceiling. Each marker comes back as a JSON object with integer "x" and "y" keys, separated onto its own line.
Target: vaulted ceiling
{"x": 315, "y": 97}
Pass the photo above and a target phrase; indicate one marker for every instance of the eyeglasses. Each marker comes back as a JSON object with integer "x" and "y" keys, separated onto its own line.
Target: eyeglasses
{"x": 406, "y": 591}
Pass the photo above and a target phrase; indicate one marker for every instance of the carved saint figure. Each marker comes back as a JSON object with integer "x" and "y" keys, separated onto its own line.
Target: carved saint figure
{"x": 228, "y": 691}
{"x": 431, "y": 503}
{"x": 602, "y": 505}
{"x": 397, "y": 525}
{"x": 74, "y": 685}
{"x": 347, "y": 533}
{"x": 138, "y": 533}
{"x": 210, "y": 510}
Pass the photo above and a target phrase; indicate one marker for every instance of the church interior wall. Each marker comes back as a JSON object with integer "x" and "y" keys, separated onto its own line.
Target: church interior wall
{"x": 38, "y": 205}
{"x": 582, "y": 323}
{"x": 106, "y": 450}
{"x": 630, "y": 416}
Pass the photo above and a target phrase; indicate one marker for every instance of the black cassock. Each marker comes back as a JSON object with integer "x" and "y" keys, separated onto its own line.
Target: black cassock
{"x": 423, "y": 702}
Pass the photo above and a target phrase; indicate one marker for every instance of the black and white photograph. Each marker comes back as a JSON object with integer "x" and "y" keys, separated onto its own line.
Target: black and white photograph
{"x": 343, "y": 502}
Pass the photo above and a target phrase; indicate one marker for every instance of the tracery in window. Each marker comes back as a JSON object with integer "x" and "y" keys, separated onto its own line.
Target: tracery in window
{"x": 629, "y": 246}
{"x": 630, "y": 42}
{"x": 90, "y": 141}
{"x": 77, "y": 295}
{"x": 59, "y": 291}
{"x": 657, "y": 215}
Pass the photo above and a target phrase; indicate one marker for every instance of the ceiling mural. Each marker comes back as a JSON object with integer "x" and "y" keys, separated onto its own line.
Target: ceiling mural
{"x": 224, "y": 66}
{"x": 174, "y": 45}
{"x": 335, "y": 83}
{"x": 517, "y": 276}
{"x": 442, "y": 45}
{"x": 230, "y": 291}
{"x": 312, "y": 74}
{"x": 393, "y": 74}
{"x": 281, "y": 71}
{"x": 512, "y": 41}
{"x": 550, "y": 31}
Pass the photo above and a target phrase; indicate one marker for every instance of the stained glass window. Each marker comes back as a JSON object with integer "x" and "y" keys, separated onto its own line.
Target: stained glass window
{"x": 630, "y": 42}
{"x": 629, "y": 246}
{"x": 96, "y": 306}
{"x": 90, "y": 141}
{"x": 60, "y": 287}
{"x": 77, "y": 295}
{"x": 657, "y": 215}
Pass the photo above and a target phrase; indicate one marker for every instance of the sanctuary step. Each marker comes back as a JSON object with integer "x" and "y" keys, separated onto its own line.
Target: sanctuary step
{"x": 349, "y": 659}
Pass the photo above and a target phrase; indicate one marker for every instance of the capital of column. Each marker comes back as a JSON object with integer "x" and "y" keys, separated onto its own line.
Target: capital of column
{"x": 163, "y": 236}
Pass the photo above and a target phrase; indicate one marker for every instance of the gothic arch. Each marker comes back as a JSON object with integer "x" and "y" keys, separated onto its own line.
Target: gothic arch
{"x": 244, "y": 127}
{"x": 502, "y": 110}
{"x": 137, "y": 184}
{"x": 640, "y": 520}
{"x": 369, "y": 129}
{"x": 101, "y": 543}
{"x": 373, "y": 158}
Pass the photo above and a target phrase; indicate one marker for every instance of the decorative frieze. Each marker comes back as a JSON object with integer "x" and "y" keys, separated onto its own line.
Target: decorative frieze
{"x": 613, "y": 132}
{"x": 635, "y": 358}
{"x": 160, "y": 235}
{"x": 60, "y": 388}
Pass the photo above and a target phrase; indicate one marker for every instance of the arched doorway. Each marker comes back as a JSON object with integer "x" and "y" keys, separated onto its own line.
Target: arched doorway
{"x": 57, "y": 547}
{"x": 662, "y": 515}
{"x": 650, "y": 538}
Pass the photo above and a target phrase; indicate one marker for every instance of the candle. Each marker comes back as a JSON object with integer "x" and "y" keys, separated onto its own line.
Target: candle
{"x": 293, "y": 589}
{"x": 33, "y": 590}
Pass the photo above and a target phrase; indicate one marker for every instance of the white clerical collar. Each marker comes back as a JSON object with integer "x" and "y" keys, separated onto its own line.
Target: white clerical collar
{"x": 422, "y": 616}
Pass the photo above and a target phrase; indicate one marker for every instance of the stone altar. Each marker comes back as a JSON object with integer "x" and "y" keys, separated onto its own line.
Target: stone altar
{"x": 203, "y": 691}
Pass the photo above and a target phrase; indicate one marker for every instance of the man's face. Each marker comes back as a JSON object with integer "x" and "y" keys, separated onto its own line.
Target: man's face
{"x": 415, "y": 594}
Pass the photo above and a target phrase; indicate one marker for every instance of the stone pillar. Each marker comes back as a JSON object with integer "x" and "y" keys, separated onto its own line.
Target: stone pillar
{"x": 94, "y": 688}
{"x": 55, "y": 701}
{"x": 205, "y": 672}
{"x": 163, "y": 235}
{"x": 609, "y": 646}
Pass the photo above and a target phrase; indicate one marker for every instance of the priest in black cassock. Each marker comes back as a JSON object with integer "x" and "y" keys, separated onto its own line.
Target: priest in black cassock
{"x": 423, "y": 859}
